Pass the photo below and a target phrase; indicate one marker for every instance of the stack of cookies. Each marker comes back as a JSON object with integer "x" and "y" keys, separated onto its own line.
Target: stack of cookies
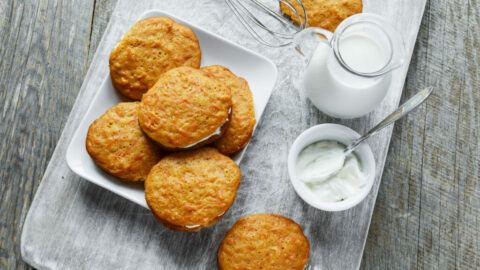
{"x": 176, "y": 136}
{"x": 179, "y": 129}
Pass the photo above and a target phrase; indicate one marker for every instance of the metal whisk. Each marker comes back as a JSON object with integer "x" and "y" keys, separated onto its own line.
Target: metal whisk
{"x": 265, "y": 30}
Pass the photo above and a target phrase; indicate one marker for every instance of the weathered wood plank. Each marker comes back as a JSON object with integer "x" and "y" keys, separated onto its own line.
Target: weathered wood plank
{"x": 468, "y": 149}
{"x": 427, "y": 213}
{"x": 101, "y": 16}
{"x": 43, "y": 59}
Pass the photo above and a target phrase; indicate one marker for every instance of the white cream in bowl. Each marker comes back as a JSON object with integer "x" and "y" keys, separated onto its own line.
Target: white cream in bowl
{"x": 317, "y": 161}
{"x": 315, "y": 152}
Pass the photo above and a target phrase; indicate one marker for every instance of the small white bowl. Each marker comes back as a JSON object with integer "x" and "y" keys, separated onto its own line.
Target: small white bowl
{"x": 343, "y": 135}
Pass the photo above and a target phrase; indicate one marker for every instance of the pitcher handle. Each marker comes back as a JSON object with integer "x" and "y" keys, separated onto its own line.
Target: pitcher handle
{"x": 309, "y": 38}
{"x": 315, "y": 33}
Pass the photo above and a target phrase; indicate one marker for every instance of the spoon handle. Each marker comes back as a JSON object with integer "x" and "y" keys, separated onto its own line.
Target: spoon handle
{"x": 403, "y": 110}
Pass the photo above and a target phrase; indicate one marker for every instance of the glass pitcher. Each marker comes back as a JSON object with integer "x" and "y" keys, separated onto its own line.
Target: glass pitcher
{"x": 347, "y": 74}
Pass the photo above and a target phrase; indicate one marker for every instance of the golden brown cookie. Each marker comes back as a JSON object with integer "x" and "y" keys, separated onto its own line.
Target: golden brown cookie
{"x": 264, "y": 241}
{"x": 185, "y": 107}
{"x": 326, "y": 14}
{"x": 117, "y": 144}
{"x": 150, "y": 48}
{"x": 190, "y": 190}
{"x": 239, "y": 129}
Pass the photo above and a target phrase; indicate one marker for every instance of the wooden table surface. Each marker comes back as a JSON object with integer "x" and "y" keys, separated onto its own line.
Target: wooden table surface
{"x": 428, "y": 207}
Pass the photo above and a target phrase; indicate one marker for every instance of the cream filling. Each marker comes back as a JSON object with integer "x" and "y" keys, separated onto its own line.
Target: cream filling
{"x": 217, "y": 132}
{"x": 191, "y": 226}
{"x": 196, "y": 225}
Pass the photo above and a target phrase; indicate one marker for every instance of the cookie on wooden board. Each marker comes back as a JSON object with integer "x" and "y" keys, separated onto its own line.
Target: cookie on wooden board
{"x": 264, "y": 241}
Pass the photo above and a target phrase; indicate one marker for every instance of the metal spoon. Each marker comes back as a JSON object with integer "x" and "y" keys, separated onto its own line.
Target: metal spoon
{"x": 403, "y": 110}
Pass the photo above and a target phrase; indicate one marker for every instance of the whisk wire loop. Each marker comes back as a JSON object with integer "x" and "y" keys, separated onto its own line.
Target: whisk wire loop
{"x": 260, "y": 30}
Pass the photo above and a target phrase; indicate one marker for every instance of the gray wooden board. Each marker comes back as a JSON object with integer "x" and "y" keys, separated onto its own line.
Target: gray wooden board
{"x": 73, "y": 224}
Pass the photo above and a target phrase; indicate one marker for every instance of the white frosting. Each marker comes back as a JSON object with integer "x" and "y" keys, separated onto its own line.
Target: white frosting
{"x": 217, "y": 132}
{"x": 319, "y": 160}
{"x": 191, "y": 226}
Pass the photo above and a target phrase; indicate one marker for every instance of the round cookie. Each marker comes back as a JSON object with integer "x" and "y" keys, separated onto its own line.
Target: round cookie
{"x": 118, "y": 146}
{"x": 191, "y": 190}
{"x": 264, "y": 241}
{"x": 239, "y": 129}
{"x": 326, "y": 14}
{"x": 150, "y": 48}
{"x": 185, "y": 109}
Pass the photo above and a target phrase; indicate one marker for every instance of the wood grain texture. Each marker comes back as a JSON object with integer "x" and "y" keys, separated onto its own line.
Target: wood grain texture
{"x": 43, "y": 59}
{"x": 101, "y": 16}
{"x": 427, "y": 210}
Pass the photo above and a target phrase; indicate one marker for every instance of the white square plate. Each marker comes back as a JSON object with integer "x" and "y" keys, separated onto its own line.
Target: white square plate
{"x": 260, "y": 72}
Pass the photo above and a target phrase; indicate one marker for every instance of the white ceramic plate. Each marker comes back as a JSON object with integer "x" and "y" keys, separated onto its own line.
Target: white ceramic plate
{"x": 260, "y": 72}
